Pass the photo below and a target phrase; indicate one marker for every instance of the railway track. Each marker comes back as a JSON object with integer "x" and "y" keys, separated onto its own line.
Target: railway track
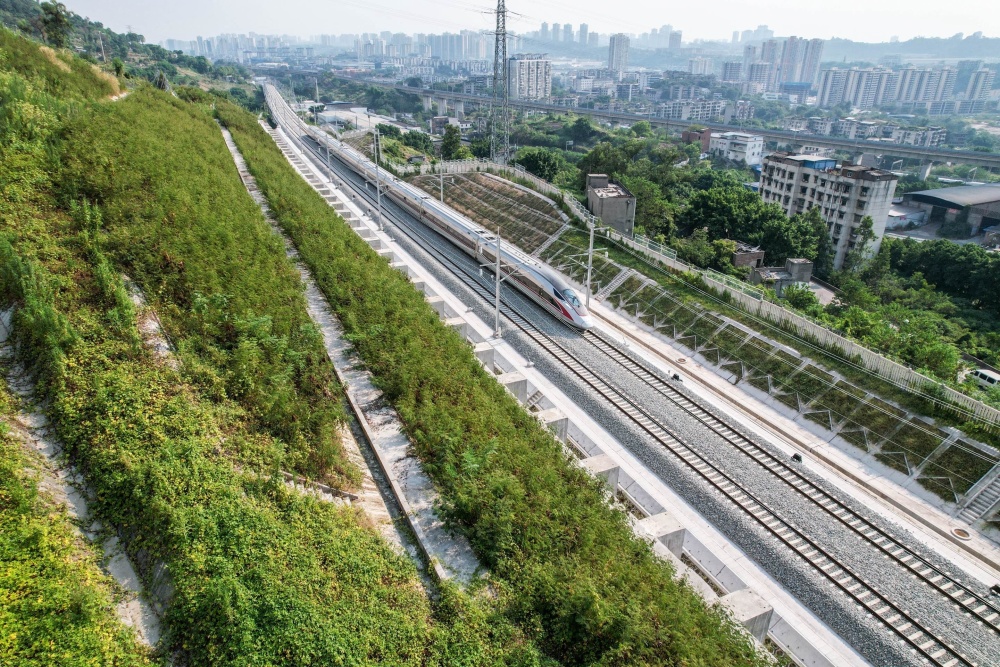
{"x": 900, "y": 620}
{"x": 964, "y": 599}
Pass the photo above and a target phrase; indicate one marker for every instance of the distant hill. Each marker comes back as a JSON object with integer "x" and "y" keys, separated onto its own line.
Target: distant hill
{"x": 973, "y": 48}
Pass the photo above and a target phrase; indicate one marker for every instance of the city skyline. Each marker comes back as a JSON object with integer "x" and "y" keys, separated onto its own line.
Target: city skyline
{"x": 185, "y": 19}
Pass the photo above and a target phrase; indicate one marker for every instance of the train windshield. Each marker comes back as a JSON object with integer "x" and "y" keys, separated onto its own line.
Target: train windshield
{"x": 574, "y": 300}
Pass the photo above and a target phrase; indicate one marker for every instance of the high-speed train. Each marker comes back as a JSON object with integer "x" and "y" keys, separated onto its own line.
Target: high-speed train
{"x": 537, "y": 281}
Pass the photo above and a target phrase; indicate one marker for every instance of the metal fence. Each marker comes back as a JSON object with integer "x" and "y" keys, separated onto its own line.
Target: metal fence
{"x": 751, "y": 301}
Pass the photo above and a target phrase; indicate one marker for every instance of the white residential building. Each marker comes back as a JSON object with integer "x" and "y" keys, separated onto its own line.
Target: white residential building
{"x": 618, "y": 53}
{"x": 737, "y": 146}
{"x": 843, "y": 194}
{"x": 703, "y": 110}
{"x": 530, "y": 77}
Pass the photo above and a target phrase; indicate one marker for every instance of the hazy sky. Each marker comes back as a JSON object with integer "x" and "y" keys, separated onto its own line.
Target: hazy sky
{"x": 873, "y": 21}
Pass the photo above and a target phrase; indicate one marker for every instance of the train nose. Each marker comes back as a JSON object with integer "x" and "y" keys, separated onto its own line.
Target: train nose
{"x": 586, "y": 322}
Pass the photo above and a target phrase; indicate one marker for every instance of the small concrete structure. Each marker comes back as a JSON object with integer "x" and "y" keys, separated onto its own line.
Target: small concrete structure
{"x": 611, "y": 202}
{"x": 748, "y": 255}
{"x": 750, "y": 611}
{"x": 794, "y": 272}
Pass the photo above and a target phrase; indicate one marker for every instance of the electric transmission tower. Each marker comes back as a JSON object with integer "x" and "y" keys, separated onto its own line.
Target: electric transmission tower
{"x": 500, "y": 106}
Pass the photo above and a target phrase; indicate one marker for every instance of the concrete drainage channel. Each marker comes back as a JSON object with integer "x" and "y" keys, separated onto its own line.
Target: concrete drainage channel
{"x": 717, "y": 569}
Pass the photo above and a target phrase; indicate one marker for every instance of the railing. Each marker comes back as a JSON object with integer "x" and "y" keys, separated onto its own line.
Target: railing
{"x": 750, "y": 300}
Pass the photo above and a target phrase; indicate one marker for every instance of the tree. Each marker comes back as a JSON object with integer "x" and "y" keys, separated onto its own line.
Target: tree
{"x": 581, "y": 130}
{"x": 451, "y": 145}
{"x": 823, "y": 262}
{"x": 603, "y": 159}
{"x": 642, "y": 129}
{"x": 421, "y": 141}
{"x": 803, "y": 299}
{"x": 161, "y": 81}
{"x": 390, "y": 131}
{"x": 480, "y": 147}
{"x": 541, "y": 162}
{"x": 119, "y": 67}
{"x": 652, "y": 211}
{"x": 55, "y": 23}
{"x": 862, "y": 245}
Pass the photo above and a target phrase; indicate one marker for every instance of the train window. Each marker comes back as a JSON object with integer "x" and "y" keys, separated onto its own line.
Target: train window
{"x": 572, "y": 298}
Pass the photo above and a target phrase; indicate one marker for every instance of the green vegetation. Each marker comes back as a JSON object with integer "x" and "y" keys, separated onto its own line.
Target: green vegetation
{"x": 241, "y": 334}
{"x": 564, "y": 564}
{"x": 57, "y": 606}
{"x": 451, "y": 145}
{"x": 252, "y": 571}
{"x": 127, "y": 54}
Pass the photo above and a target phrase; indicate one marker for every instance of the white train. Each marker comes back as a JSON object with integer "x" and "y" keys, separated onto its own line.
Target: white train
{"x": 537, "y": 281}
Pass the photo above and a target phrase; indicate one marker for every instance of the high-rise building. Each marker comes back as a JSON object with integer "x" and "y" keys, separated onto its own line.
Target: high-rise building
{"x": 791, "y": 60}
{"x": 811, "y": 59}
{"x": 749, "y": 57}
{"x": 800, "y": 60}
{"x": 831, "y": 87}
{"x": 530, "y": 77}
{"x": 556, "y": 32}
{"x": 758, "y": 77}
{"x": 980, "y": 84}
{"x": 732, "y": 71}
{"x": 736, "y": 37}
{"x": 544, "y": 32}
{"x": 567, "y": 33}
{"x": 675, "y": 40}
{"x": 593, "y": 40}
{"x": 583, "y": 33}
{"x": 844, "y": 195}
{"x": 964, "y": 69}
{"x": 700, "y": 66}
{"x": 618, "y": 53}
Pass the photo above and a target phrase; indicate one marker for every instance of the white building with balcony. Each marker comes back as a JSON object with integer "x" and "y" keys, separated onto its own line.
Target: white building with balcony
{"x": 737, "y": 146}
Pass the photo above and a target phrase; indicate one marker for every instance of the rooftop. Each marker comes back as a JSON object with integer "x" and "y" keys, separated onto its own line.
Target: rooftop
{"x": 612, "y": 190}
{"x": 959, "y": 196}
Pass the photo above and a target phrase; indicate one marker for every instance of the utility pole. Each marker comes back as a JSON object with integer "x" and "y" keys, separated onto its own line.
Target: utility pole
{"x": 104, "y": 57}
{"x": 442, "y": 185}
{"x": 590, "y": 260}
{"x": 496, "y": 305}
{"x": 378, "y": 179}
{"x": 316, "y": 105}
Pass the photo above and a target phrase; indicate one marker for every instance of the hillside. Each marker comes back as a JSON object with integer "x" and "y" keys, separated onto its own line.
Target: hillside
{"x": 183, "y": 455}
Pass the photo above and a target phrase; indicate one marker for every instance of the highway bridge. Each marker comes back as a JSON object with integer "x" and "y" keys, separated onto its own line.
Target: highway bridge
{"x": 457, "y": 101}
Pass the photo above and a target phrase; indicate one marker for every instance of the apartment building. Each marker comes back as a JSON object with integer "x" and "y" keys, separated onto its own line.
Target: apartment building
{"x": 737, "y": 146}
{"x": 880, "y": 86}
{"x": 696, "y": 110}
{"x": 530, "y": 77}
{"x": 843, "y": 194}
{"x": 618, "y": 53}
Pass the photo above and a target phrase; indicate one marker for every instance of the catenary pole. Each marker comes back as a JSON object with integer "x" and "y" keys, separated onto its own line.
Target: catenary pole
{"x": 590, "y": 260}
{"x": 496, "y": 321}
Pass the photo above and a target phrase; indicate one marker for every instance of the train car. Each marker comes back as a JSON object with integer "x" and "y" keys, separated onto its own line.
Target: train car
{"x": 529, "y": 276}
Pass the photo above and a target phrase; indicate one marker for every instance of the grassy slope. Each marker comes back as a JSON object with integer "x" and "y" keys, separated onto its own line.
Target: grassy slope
{"x": 56, "y": 606}
{"x": 257, "y": 574}
{"x": 178, "y": 219}
{"x": 569, "y": 569}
